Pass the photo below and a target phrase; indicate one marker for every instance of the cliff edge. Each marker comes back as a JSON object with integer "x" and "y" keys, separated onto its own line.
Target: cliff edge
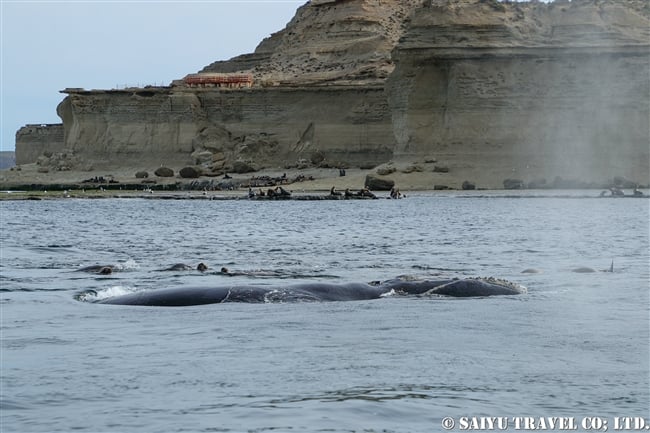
{"x": 491, "y": 90}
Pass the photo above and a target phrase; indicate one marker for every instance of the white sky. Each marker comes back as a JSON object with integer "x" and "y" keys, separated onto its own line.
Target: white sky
{"x": 50, "y": 45}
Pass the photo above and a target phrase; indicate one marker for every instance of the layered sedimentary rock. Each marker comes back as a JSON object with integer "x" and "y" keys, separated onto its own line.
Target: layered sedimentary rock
{"x": 558, "y": 89}
{"x": 33, "y": 141}
{"x": 265, "y": 127}
{"x": 554, "y": 89}
{"x": 329, "y": 42}
{"x": 318, "y": 95}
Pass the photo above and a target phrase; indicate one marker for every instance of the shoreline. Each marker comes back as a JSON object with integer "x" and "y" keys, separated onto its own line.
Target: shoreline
{"x": 312, "y": 195}
{"x": 409, "y": 176}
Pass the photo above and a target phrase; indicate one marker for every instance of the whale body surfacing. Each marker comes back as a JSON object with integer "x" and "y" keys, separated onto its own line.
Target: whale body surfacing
{"x": 316, "y": 292}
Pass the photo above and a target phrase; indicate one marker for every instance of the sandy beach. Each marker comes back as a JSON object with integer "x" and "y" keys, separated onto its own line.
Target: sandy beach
{"x": 408, "y": 175}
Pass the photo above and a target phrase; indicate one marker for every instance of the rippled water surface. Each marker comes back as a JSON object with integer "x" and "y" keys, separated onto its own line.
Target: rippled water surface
{"x": 575, "y": 345}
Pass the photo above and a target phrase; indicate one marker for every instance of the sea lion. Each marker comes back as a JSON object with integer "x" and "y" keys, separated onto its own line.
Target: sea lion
{"x": 183, "y": 267}
{"x": 97, "y": 269}
{"x": 106, "y": 270}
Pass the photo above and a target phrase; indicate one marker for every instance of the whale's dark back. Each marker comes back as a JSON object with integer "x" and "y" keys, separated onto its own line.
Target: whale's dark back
{"x": 176, "y": 297}
{"x": 311, "y": 292}
{"x": 185, "y": 296}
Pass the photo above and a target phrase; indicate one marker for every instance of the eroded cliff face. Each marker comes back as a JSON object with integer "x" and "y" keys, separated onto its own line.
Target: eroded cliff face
{"x": 545, "y": 90}
{"x": 338, "y": 42}
{"x": 529, "y": 89}
{"x": 35, "y": 140}
{"x": 318, "y": 98}
{"x": 260, "y": 127}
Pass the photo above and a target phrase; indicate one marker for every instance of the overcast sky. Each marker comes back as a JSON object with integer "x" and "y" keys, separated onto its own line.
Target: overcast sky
{"x": 50, "y": 45}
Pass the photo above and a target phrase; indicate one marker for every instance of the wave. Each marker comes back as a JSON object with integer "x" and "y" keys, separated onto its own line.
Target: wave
{"x": 92, "y": 295}
{"x": 128, "y": 265}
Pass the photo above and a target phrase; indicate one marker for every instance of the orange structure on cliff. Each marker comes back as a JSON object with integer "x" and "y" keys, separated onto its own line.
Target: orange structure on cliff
{"x": 219, "y": 80}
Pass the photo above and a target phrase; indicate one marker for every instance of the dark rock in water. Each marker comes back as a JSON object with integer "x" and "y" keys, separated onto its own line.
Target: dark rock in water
{"x": 468, "y": 186}
{"x": 142, "y": 175}
{"x": 164, "y": 172}
{"x": 189, "y": 173}
{"x": 513, "y": 184}
{"x": 378, "y": 184}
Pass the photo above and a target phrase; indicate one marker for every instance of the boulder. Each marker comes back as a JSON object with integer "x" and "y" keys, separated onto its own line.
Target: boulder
{"x": 411, "y": 168}
{"x": 213, "y": 172}
{"x": 218, "y": 157}
{"x": 385, "y": 170}
{"x": 317, "y": 158}
{"x": 378, "y": 184}
{"x": 440, "y": 169}
{"x": 513, "y": 184}
{"x": 189, "y": 173}
{"x": 202, "y": 156}
{"x": 142, "y": 175}
{"x": 468, "y": 186}
{"x": 217, "y": 165}
{"x": 302, "y": 164}
{"x": 430, "y": 160}
{"x": 242, "y": 167}
{"x": 164, "y": 172}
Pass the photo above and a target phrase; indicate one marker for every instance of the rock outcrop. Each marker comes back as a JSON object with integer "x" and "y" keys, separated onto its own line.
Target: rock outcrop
{"x": 338, "y": 42}
{"x": 531, "y": 90}
{"x": 34, "y": 140}
{"x": 557, "y": 88}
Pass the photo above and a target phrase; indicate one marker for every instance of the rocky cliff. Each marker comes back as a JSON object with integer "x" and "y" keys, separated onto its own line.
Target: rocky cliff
{"x": 33, "y": 141}
{"x": 534, "y": 89}
{"x": 559, "y": 89}
{"x": 329, "y": 42}
{"x": 259, "y": 127}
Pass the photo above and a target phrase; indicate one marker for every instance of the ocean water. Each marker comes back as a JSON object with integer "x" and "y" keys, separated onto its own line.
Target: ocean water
{"x": 577, "y": 345}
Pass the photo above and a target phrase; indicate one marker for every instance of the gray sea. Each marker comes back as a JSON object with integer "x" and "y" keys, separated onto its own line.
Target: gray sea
{"x": 576, "y": 346}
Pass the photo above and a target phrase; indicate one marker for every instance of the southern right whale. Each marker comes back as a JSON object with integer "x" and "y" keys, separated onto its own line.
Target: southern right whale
{"x": 316, "y": 291}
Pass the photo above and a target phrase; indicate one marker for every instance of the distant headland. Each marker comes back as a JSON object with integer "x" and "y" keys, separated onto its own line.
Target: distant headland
{"x": 427, "y": 94}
